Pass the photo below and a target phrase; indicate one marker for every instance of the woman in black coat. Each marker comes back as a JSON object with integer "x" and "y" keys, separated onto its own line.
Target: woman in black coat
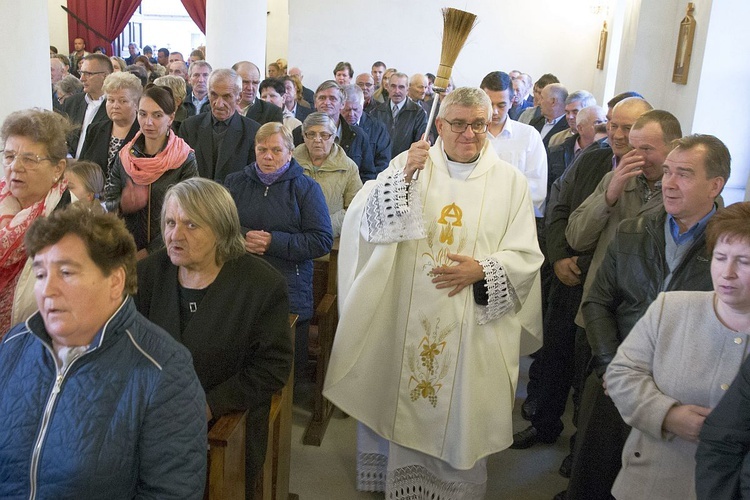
{"x": 229, "y": 308}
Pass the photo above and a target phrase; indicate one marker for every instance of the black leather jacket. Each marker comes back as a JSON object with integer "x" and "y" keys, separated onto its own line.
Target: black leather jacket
{"x": 629, "y": 279}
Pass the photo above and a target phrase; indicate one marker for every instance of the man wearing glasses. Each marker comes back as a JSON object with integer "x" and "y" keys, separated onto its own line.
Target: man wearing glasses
{"x": 438, "y": 281}
{"x": 86, "y": 108}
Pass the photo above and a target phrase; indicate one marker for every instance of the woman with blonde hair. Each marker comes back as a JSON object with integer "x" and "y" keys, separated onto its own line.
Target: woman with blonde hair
{"x": 106, "y": 138}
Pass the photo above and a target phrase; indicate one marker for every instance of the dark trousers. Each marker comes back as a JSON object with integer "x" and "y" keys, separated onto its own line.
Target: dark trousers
{"x": 546, "y": 275}
{"x": 598, "y": 450}
{"x": 557, "y": 359}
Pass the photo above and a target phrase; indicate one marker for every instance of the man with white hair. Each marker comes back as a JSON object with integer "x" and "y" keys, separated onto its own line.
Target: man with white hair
{"x": 380, "y": 141}
{"x": 552, "y": 105}
{"x": 437, "y": 292}
{"x": 418, "y": 88}
{"x": 574, "y": 103}
{"x": 223, "y": 140}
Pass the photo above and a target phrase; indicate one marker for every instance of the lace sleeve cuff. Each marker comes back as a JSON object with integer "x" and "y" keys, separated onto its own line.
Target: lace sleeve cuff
{"x": 393, "y": 211}
{"x": 501, "y": 296}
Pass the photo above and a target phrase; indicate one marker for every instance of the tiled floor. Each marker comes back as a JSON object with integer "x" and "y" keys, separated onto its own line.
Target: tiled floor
{"x": 328, "y": 472}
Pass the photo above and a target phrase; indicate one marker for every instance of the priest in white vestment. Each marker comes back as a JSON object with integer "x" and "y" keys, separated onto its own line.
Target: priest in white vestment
{"x": 438, "y": 297}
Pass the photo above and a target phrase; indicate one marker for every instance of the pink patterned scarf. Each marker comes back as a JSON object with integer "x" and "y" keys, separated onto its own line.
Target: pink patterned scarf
{"x": 145, "y": 171}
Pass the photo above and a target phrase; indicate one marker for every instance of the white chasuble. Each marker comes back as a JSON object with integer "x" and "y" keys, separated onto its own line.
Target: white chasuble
{"x": 410, "y": 362}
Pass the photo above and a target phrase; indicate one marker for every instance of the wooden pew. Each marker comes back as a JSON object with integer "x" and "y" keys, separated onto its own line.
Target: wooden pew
{"x": 226, "y": 454}
{"x": 325, "y": 320}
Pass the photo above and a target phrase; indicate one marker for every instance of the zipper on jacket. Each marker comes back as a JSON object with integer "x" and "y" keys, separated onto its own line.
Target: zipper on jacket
{"x": 266, "y": 192}
{"x": 45, "y": 420}
{"x": 296, "y": 269}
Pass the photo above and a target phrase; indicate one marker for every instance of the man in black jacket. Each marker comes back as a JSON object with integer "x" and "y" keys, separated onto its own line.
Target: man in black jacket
{"x": 196, "y": 101}
{"x": 250, "y": 106}
{"x": 648, "y": 255}
{"x": 405, "y": 120}
{"x": 223, "y": 140}
{"x": 380, "y": 141}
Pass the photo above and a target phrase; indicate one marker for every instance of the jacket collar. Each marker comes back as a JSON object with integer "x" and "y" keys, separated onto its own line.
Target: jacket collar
{"x": 294, "y": 170}
{"x": 122, "y": 318}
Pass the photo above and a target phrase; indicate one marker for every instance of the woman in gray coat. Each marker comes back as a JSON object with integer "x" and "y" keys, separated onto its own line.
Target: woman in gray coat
{"x": 677, "y": 364}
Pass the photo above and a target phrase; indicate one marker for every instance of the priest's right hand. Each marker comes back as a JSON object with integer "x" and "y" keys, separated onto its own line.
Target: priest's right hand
{"x": 416, "y": 158}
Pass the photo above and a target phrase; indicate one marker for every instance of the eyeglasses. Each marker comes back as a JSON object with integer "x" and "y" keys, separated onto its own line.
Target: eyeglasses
{"x": 27, "y": 161}
{"x": 91, "y": 73}
{"x": 314, "y": 135}
{"x": 460, "y": 127}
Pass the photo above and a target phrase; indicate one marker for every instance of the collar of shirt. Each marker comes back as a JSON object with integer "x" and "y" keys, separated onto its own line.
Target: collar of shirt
{"x": 646, "y": 192}
{"x": 286, "y": 113}
{"x": 90, "y": 101}
{"x": 338, "y": 131}
{"x": 691, "y": 233}
{"x": 554, "y": 122}
{"x": 615, "y": 161}
{"x": 399, "y": 105}
{"x": 507, "y": 130}
{"x": 221, "y": 123}
{"x": 198, "y": 102}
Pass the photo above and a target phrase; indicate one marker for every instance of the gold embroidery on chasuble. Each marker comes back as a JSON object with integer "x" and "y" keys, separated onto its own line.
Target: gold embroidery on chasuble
{"x": 444, "y": 228}
{"x": 428, "y": 361}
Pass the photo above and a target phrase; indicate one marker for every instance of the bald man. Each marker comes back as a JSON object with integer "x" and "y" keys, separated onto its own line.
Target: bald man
{"x": 250, "y": 106}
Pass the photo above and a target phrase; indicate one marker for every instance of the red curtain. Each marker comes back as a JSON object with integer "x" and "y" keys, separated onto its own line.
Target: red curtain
{"x": 196, "y": 9}
{"x": 105, "y": 18}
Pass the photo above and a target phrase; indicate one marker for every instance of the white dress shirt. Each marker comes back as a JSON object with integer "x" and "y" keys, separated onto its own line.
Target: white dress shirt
{"x": 521, "y": 146}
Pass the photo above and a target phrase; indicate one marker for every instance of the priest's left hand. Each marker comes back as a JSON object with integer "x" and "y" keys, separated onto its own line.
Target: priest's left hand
{"x": 465, "y": 273}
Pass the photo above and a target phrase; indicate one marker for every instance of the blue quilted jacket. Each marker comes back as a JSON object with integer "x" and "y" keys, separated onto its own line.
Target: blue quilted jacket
{"x": 293, "y": 209}
{"x": 126, "y": 419}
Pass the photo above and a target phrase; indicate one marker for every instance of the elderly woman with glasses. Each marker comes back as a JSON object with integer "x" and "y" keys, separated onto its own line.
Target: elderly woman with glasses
{"x": 286, "y": 221}
{"x": 106, "y": 138}
{"x": 33, "y": 185}
{"x": 229, "y": 308}
{"x": 326, "y": 162}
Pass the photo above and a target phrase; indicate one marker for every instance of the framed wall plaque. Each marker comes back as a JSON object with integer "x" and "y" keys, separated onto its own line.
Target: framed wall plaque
{"x": 684, "y": 47}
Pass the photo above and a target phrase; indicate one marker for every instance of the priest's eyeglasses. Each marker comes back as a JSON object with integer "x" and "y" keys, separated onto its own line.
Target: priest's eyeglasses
{"x": 460, "y": 127}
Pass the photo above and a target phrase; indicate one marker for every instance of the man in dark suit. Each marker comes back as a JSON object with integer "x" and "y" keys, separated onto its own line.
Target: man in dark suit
{"x": 405, "y": 120}
{"x": 380, "y": 141}
{"x": 552, "y": 105}
{"x": 87, "y": 107}
{"x": 250, "y": 106}
{"x": 329, "y": 99}
{"x": 223, "y": 140}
